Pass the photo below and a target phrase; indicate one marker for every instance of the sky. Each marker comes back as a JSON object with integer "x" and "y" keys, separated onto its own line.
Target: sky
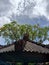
{"x": 24, "y": 11}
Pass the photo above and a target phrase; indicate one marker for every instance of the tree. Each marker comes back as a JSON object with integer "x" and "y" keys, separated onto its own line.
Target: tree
{"x": 10, "y": 31}
{"x": 26, "y": 29}
{"x": 41, "y": 34}
{"x": 13, "y": 31}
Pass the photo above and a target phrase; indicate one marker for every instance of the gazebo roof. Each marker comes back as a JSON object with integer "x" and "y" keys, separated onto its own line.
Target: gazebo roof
{"x": 32, "y": 47}
{"x": 26, "y": 45}
{"x": 24, "y": 51}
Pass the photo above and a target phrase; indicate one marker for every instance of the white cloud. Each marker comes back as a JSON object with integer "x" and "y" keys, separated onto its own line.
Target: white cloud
{"x": 46, "y": 42}
{"x": 5, "y": 7}
{"x": 30, "y": 8}
{"x": 4, "y": 20}
{"x": 40, "y": 8}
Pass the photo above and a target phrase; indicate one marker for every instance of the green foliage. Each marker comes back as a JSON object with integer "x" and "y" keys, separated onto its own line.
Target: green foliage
{"x": 14, "y": 31}
{"x": 19, "y": 63}
{"x": 31, "y": 63}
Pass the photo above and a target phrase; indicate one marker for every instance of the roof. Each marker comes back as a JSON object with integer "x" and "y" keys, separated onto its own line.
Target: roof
{"x": 28, "y": 46}
{"x": 35, "y": 48}
{"x": 7, "y": 48}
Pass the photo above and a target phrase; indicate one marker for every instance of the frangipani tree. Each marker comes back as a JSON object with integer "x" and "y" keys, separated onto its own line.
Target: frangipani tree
{"x": 14, "y": 31}
{"x": 10, "y": 31}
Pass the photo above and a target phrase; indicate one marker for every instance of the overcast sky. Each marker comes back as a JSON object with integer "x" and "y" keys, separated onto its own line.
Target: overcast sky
{"x": 24, "y": 11}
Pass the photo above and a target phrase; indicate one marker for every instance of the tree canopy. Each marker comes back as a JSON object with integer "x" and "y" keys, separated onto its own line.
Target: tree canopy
{"x": 14, "y": 31}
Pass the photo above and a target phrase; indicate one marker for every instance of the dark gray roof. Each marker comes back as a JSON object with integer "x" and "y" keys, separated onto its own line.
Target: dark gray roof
{"x": 35, "y": 48}
{"x": 27, "y": 46}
